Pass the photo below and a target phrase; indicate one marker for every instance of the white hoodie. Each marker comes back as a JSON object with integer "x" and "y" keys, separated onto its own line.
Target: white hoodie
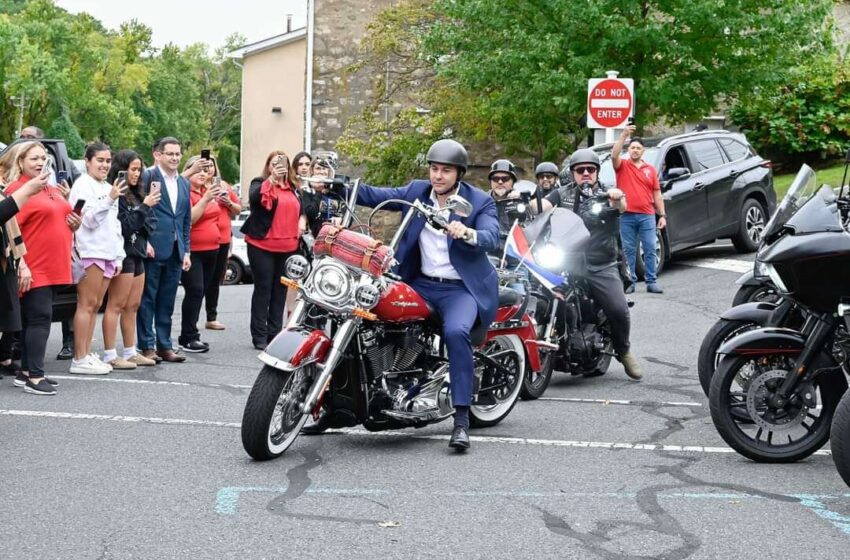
{"x": 100, "y": 235}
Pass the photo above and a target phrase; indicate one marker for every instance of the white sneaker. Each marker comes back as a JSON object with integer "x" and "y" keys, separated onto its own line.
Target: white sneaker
{"x": 87, "y": 366}
{"x": 97, "y": 360}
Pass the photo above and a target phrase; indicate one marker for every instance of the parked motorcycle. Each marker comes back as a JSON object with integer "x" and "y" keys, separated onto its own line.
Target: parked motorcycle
{"x": 839, "y": 438}
{"x": 379, "y": 360}
{"x": 775, "y": 391}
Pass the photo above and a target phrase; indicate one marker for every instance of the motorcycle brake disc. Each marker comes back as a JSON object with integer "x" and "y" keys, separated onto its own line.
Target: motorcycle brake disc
{"x": 761, "y": 386}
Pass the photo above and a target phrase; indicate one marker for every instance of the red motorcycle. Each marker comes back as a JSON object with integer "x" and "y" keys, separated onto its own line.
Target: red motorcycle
{"x": 366, "y": 345}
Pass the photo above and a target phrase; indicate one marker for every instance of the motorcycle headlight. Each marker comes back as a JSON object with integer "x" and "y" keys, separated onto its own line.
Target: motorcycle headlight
{"x": 297, "y": 267}
{"x": 366, "y": 296}
{"x": 332, "y": 283}
{"x": 521, "y": 208}
{"x": 596, "y": 208}
{"x": 775, "y": 278}
{"x": 550, "y": 256}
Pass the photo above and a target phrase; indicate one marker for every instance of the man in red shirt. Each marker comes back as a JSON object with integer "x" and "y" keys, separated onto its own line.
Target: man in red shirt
{"x": 639, "y": 181}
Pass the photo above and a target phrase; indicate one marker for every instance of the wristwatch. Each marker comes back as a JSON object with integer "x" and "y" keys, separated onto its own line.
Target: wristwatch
{"x": 661, "y": 215}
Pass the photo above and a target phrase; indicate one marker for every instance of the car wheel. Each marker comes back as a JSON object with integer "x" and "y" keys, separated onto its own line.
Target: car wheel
{"x": 751, "y": 227}
{"x": 234, "y": 272}
{"x": 659, "y": 257}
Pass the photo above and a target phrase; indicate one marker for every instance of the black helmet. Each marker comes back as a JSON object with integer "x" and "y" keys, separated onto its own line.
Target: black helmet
{"x": 546, "y": 167}
{"x": 505, "y": 166}
{"x": 449, "y": 152}
{"x": 584, "y": 156}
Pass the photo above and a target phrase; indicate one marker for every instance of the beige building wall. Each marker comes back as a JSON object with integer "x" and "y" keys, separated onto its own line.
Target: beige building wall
{"x": 272, "y": 78}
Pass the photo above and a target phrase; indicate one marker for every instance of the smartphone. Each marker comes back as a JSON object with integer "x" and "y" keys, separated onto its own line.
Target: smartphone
{"x": 631, "y": 121}
{"x": 155, "y": 185}
{"x": 78, "y": 207}
{"x": 205, "y": 153}
{"x": 122, "y": 176}
{"x": 61, "y": 176}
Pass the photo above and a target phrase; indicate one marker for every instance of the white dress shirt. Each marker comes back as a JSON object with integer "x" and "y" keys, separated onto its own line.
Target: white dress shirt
{"x": 171, "y": 187}
{"x": 434, "y": 249}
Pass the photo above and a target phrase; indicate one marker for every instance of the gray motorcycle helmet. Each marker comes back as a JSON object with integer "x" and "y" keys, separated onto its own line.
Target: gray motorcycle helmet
{"x": 578, "y": 157}
{"x": 449, "y": 152}
{"x": 504, "y": 166}
{"x": 546, "y": 167}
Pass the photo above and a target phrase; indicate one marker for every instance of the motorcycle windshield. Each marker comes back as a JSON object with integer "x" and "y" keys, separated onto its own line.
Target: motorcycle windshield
{"x": 801, "y": 190}
{"x": 818, "y": 213}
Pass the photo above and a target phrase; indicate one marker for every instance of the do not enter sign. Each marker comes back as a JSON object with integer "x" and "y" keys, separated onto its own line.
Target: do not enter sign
{"x": 610, "y": 102}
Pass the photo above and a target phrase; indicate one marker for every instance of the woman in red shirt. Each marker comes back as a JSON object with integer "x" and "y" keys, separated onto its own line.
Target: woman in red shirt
{"x": 272, "y": 232}
{"x": 230, "y": 207}
{"x": 47, "y": 224}
{"x": 204, "y": 242}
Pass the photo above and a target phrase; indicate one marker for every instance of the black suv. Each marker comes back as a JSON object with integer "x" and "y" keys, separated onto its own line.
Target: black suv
{"x": 714, "y": 186}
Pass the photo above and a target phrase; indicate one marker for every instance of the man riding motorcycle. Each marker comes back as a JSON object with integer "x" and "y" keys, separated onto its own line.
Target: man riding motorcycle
{"x": 502, "y": 179}
{"x": 547, "y": 176}
{"x": 450, "y": 269}
{"x": 602, "y": 221}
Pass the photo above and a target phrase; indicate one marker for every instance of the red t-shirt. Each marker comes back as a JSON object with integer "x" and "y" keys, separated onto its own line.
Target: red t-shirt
{"x": 204, "y": 233}
{"x": 639, "y": 185}
{"x": 224, "y": 231}
{"x": 46, "y": 235}
{"x": 283, "y": 234}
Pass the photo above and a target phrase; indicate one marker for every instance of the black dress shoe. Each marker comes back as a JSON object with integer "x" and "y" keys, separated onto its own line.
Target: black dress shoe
{"x": 66, "y": 353}
{"x": 260, "y": 345}
{"x": 320, "y": 426}
{"x": 459, "y": 439}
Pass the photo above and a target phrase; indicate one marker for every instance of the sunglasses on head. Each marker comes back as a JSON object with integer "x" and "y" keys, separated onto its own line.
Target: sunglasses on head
{"x": 590, "y": 170}
{"x": 500, "y": 178}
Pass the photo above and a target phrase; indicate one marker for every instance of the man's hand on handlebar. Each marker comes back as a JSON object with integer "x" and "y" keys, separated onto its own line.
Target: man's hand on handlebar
{"x": 457, "y": 230}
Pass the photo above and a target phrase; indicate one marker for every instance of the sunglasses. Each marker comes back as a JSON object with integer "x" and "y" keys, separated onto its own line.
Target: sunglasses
{"x": 500, "y": 178}
{"x": 583, "y": 170}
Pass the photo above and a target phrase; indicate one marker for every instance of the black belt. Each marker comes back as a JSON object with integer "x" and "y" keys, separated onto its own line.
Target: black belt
{"x": 442, "y": 280}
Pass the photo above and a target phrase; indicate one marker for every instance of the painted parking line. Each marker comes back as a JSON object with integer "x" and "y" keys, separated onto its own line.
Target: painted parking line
{"x": 620, "y": 402}
{"x": 729, "y": 265}
{"x": 390, "y": 434}
{"x": 227, "y": 498}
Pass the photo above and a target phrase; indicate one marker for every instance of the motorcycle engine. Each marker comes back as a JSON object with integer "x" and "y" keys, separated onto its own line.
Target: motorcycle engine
{"x": 392, "y": 349}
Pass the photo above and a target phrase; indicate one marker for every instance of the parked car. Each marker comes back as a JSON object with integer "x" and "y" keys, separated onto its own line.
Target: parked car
{"x": 714, "y": 185}
{"x": 238, "y": 267}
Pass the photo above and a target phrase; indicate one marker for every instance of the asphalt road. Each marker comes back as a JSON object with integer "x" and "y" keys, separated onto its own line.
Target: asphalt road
{"x": 149, "y": 464}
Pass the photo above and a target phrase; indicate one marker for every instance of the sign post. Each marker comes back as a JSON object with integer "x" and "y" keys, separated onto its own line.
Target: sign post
{"x": 610, "y": 102}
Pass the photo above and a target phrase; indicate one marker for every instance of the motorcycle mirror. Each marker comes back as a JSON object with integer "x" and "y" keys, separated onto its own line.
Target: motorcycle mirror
{"x": 459, "y": 205}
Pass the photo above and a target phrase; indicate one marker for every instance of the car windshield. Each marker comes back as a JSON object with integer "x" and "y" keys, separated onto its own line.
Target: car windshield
{"x": 801, "y": 190}
{"x": 606, "y": 172}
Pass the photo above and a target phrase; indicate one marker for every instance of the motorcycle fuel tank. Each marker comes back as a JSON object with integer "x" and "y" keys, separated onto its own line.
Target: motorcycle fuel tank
{"x": 400, "y": 303}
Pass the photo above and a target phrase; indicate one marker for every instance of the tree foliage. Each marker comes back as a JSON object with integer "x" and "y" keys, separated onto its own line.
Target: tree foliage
{"x": 80, "y": 81}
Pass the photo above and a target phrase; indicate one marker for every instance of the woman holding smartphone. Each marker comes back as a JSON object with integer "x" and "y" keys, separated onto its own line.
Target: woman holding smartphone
{"x": 230, "y": 207}
{"x": 125, "y": 290}
{"x": 203, "y": 239}
{"x": 100, "y": 244}
{"x": 47, "y": 223}
{"x": 272, "y": 232}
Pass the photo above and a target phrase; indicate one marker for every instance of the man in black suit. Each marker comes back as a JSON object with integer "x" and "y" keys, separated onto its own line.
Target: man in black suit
{"x": 170, "y": 243}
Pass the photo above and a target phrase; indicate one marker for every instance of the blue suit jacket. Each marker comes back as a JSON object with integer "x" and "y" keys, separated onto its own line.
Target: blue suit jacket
{"x": 168, "y": 225}
{"x": 470, "y": 261}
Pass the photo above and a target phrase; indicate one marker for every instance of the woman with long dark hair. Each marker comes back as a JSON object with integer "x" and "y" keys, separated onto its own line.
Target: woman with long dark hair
{"x": 230, "y": 206}
{"x": 272, "y": 233}
{"x": 125, "y": 290}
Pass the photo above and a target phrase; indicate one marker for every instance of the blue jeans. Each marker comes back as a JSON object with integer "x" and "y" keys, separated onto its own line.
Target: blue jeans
{"x": 634, "y": 227}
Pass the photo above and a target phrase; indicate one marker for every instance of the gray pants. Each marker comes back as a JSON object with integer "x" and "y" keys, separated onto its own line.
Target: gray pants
{"x": 607, "y": 289}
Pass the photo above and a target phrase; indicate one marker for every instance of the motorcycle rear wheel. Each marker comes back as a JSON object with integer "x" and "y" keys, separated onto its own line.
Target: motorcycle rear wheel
{"x": 511, "y": 354}
{"x": 840, "y": 438}
{"x": 273, "y": 418}
{"x": 738, "y": 408}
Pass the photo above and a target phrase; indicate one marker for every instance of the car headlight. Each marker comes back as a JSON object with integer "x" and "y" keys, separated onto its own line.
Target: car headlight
{"x": 297, "y": 267}
{"x": 366, "y": 296}
{"x": 775, "y": 278}
{"x": 332, "y": 283}
{"x": 550, "y": 256}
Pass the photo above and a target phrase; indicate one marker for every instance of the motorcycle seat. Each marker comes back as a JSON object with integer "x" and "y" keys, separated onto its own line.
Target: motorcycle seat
{"x": 507, "y": 296}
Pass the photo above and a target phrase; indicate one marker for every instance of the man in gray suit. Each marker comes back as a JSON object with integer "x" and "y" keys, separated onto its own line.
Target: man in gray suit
{"x": 170, "y": 243}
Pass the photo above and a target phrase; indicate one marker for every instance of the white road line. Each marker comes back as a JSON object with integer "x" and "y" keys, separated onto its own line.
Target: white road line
{"x": 619, "y": 402}
{"x": 729, "y": 265}
{"x": 405, "y": 434}
{"x": 145, "y": 381}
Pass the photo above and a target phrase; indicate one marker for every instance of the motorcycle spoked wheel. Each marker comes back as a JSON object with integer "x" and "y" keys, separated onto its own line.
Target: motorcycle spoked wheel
{"x": 839, "y": 439}
{"x": 493, "y": 405}
{"x": 273, "y": 417}
{"x": 708, "y": 360}
{"x": 744, "y": 419}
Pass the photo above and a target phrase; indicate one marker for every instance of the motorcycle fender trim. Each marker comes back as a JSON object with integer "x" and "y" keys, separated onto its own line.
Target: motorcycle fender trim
{"x": 293, "y": 348}
{"x": 756, "y": 312}
{"x": 765, "y": 341}
{"x": 748, "y": 279}
{"x": 532, "y": 350}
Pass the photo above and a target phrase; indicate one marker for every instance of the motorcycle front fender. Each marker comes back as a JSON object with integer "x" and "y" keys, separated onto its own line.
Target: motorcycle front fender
{"x": 758, "y": 312}
{"x": 750, "y": 279}
{"x": 769, "y": 340}
{"x": 293, "y": 348}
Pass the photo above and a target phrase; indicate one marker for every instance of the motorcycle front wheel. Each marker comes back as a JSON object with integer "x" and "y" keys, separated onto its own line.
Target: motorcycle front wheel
{"x": 741, "y": 411}
{"x": 839, "y": 439}
{"x": 534, "y": 384}
{"x": 717, "y": 335}
{"x": 273, "y": 417}
{"x": 500, "y": 388}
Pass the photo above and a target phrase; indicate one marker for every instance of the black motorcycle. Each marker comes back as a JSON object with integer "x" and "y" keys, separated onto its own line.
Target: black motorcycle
{"x": 839, "y": 438}
{"x": 775, "y": 391}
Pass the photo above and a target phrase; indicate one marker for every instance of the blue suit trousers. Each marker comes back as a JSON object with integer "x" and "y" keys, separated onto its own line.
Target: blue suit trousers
{"x": 157, "y": 305}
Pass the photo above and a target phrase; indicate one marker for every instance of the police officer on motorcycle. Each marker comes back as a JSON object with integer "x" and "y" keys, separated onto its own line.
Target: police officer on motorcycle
{"x": 547, "y": 176}
{"x": 578, "y": 191}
